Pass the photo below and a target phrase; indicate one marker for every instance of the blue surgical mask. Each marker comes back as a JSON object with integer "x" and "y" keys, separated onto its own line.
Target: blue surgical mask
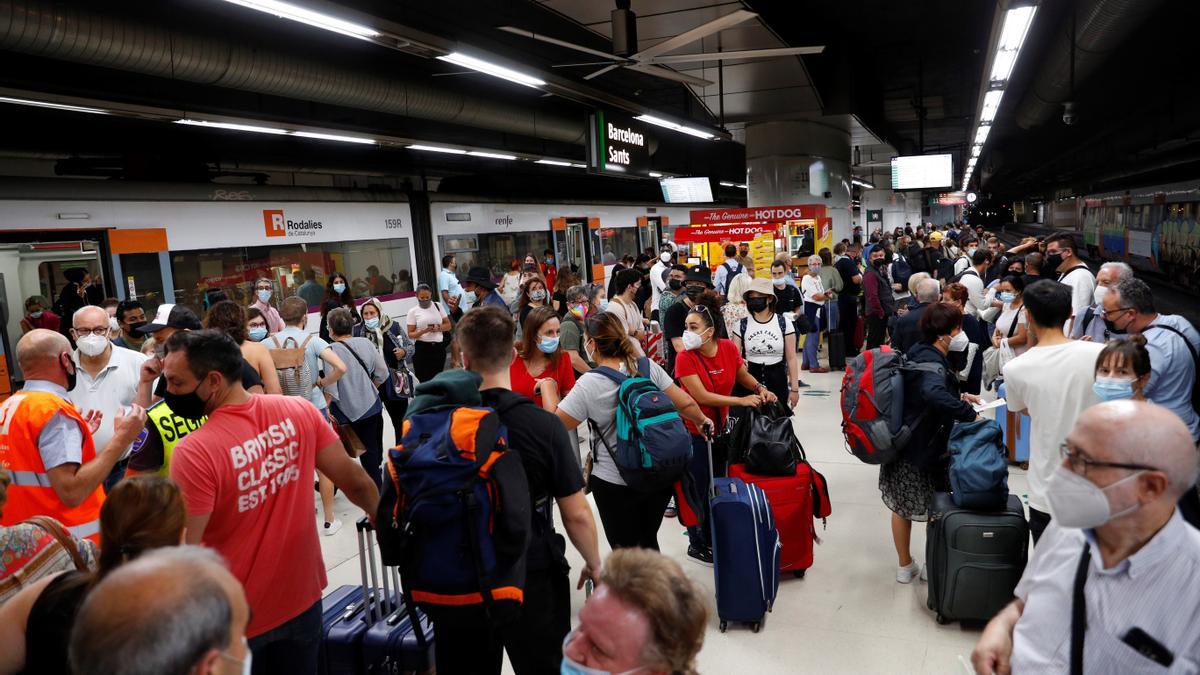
{"x": 1113, "y": 388}
{"x": 35, "y": 315}
{"x": 371, "y": 323}
{"x": 263, "y": 296}
{"x": 548, "y": 344}
{"x": 1007, "y": 297}
{"x": 339, "y": 288}
{"x": 603, "y": 306}
{"x": 257, "y": 334}
{"x": 570, "y": 667}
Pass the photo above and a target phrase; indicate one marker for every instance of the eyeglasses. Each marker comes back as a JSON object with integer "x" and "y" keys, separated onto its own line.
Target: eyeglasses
{"x": 1106, "y": 312}
{"x": 1080, "y": 463}
{"x": 98, "y": 332}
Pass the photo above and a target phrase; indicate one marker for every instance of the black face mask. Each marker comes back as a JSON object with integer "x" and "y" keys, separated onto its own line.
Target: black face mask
{"x": 675, "y": 284}
{"x": 72, "y": 377}
{"x": 189, "y": 406}
{"x": 1112, "y": 328}
{"x": 957, "y": 360}
{"x": 132, "y": 328}
{"x": 694, "y": 292}
{"x": 1052, "y": 261}
{"x": 757, "y": 305}
{"x": 879, "y": 263}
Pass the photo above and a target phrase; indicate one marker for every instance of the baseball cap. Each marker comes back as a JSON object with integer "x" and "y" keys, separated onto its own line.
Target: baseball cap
{"x": 935, "y": 236}
{"x": 172, "y": 316}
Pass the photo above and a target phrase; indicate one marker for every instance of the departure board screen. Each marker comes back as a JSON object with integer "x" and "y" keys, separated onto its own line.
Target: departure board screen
{"x": 917, "y": 172}
{"x": 692, "y": 190}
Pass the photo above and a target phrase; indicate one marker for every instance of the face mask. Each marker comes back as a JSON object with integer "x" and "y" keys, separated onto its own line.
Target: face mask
{"x": 538, "y": 295}
{"x": 665, "y": 257}
{"x": 971, "y": 252}
{"x": 879, "y": 263}
{"x": 588, "y": 354}
{"x": 425, "y": 304}
{"x": 692, "y": 340}
{"x": 1007, "y": 297}
{"x": 264, "y": 296}
{"x": 1111, "y": 327}
{"x": 35, "y": 315}
{"x": 92, "y": 345}
{"x": 257, "y": 334}
{"x": 814, "y": 268}
{"x": 371, "y": 323}
{"x": 675, "y": 284}
{"x": 603, "y": 306}
{"x": 189, "y": 406}
{"x": 694, "y": 292}
{"x": 549, "y": 260}
{"x": 1078, "y": 502}
{"x": 133, "y": 328}
{"x": 548, "y": 345}
{"x": 570, "y": 667}
{"x": 780, "y": 282}
{"x": 757, "y": 304}
{"x": 72, "y": 376}
{"x": 246, "y": 662}
{"x": 1113, "y": 388}
{"x": 959, "y": 342}
{"x": 578, "y": 311}
{"x": 339, "y": 288}
{"x": 1053, "y": 261}
{"x": 1098, "y": 295}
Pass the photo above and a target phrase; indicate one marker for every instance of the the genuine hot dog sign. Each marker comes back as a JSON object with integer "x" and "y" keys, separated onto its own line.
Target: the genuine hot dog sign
{"x": 619, "y": 145}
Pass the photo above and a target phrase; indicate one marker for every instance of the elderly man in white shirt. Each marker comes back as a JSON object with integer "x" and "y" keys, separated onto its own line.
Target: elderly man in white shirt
{"x": 108, "y": 377}
{"x": 1114, "y": 586}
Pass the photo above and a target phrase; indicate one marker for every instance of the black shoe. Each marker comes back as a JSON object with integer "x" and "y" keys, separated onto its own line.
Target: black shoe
{"x": 702, "y": 556}
{"x": 802, "y": 384}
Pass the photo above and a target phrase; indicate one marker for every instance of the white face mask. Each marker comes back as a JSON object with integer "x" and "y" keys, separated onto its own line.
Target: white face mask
{"x": 92, "y": 345}
{"x": 1098, "y": 294}
{"x": 960, "y": 342}
{"x": 1078, "y": 502}
{"x": 691, "y": 340}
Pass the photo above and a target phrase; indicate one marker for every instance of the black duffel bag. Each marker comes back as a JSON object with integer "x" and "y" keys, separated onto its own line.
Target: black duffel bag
{"x": 768, "y": 444}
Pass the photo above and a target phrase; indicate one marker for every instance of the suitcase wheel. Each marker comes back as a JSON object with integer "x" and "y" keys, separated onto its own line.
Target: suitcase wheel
{"x": 942, "y": 620}
{"x": 724, "y": 625}
{"x": 756, "y": 626}
{"x": 799, "y": 574}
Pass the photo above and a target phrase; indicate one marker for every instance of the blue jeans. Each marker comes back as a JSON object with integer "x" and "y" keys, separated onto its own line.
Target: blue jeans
{"x": 812, "y": 311}
{"x": 291, "y": 647}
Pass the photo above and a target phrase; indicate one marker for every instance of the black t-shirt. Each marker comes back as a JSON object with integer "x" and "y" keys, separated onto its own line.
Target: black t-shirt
{"x": 551, "y": 466}
{"x": 250, "y": 378}
{"x": 788, "y": 299}
{"x": 848, "y": 269}
{"x": 561, "y": 299}
{"x": 643, "y": 293}
{"x": 48, "y": 628}
{"x": 673, "y": 326}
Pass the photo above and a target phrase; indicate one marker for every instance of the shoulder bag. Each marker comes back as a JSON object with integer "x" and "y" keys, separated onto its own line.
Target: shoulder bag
{"x": 400, "y": 383}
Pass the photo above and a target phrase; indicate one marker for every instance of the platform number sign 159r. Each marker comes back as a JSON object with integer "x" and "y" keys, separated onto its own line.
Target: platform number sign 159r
{"x": 619, "y": 145}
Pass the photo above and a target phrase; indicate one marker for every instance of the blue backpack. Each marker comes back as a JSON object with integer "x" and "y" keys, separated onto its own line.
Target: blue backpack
{"x": 653, "y": 446}
{"x": 978, "y": 465}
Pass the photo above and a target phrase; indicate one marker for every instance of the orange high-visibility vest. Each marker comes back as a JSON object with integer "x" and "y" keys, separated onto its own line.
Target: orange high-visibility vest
{"x": 22, "y": 418}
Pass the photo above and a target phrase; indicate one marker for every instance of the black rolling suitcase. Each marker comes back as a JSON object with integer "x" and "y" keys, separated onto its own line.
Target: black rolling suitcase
{"x": 837, "y": 350}
{"x": 974, "y": 558}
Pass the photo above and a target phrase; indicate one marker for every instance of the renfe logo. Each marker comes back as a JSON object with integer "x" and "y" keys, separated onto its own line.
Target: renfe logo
{"x": 273, "y": 222}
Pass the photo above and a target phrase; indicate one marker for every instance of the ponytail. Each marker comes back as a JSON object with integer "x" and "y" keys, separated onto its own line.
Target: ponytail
{"x": 611, "y": 340}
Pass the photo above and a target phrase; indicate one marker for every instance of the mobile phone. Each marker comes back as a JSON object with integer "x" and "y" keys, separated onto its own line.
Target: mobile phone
{"x": 1148, "y": 647}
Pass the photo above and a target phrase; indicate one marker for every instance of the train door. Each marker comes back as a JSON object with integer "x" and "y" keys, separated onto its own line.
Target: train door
{"x": 651, "y": 230}
{"x": 570, "y": 243}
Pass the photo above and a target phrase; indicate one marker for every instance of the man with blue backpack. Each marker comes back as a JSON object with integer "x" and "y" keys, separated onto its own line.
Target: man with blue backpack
{"x": 506, "y": 587}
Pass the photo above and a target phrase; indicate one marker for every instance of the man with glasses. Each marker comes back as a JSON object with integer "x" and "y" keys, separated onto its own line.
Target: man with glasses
{"x": 1090, "y": 325}
{"x": 1053, "y": 383}
{"x": 1171, "y": 340}
{"x": 107, "y": 381}
{"x": 1115, "y": 583}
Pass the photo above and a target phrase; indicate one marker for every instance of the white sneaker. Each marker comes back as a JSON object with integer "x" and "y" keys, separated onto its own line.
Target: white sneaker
{"x": 924, "y": 572}
{"x": 905, "y": 575}
{"x": 332, "y": 528}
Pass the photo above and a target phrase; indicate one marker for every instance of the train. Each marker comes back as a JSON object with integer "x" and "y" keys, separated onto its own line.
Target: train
{"x": 1155, "y": 229}
{"x": 172, "y": 244}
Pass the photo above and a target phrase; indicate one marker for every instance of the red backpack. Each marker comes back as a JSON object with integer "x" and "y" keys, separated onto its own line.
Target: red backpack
{"x": 873, "y": 404}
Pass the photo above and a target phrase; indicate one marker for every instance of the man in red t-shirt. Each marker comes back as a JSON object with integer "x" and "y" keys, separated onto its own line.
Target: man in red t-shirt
{"x": 245, "y": 478}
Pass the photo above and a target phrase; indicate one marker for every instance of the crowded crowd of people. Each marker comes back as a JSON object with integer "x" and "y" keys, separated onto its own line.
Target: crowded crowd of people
{"x": 155, "y": 470}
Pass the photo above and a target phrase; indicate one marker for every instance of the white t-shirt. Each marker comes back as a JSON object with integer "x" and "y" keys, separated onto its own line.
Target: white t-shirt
{"x": 1004, "y": 324}
{"x": 1083, "y": 286}
{"x": 976, "y": 300}
{"x": 657, "y": 284}
{"x": 594, "y": 397}
{"x": 432, "y": 316}
{"x": 114, "y": 387}
{"x": 631, "y": 318}
{"x": 811, "y": 286}
{"x": 763, "y": 343}
{"x": 1053, "y": 384}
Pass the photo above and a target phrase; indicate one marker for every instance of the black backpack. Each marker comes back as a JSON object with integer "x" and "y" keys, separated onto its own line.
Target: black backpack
{"x": 958, "y": 277}
{"x": 730, "y": 273}
{"x": 1195, "y": 362}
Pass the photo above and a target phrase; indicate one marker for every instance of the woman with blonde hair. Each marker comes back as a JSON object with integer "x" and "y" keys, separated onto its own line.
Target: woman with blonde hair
{"x": 734, "y": 309}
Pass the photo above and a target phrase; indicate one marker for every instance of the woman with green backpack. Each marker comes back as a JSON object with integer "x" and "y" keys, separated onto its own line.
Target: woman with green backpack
{"x": 631, "y": 515}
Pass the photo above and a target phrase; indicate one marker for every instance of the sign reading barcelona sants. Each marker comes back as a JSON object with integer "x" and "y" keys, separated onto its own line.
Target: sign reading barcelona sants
{"x": 619, "y": 144}
{"x": 756, "y": 214}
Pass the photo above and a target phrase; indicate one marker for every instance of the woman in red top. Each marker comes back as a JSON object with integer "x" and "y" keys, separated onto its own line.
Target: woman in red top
{"x": 540, "y": 363}
{"x": 708, "y": 369}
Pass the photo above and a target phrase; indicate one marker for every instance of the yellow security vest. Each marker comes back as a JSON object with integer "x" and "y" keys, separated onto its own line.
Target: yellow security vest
{"x": 171, "y": 429}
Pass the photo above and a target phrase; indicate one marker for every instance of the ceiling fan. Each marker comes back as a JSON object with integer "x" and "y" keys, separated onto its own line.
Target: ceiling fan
{"x": 649, "y": 60}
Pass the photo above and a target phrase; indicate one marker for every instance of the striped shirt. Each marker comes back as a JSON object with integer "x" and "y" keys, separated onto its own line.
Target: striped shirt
{"x": 1156, "y": 589}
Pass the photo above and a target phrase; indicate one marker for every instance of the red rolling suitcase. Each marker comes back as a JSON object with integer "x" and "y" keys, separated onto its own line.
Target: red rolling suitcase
{"x": 792, "y": 503}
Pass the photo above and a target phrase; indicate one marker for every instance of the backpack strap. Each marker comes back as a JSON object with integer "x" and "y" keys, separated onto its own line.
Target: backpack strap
{"x": 304, "y": 345}
{"x": 275, "y": 341}
{"x": 1012, "y": 329}
{"x": 1088, "y": 318}
{"x": 744, "y": 323}
{"x": 614, "y": 375}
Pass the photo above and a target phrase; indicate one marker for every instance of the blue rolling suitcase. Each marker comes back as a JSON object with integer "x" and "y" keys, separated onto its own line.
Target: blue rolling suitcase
{"x": 746, "y": 550}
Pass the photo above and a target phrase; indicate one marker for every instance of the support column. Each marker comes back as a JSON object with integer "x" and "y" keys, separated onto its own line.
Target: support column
{"x": 422, "y": 229}
{"x": 800, "y": 162}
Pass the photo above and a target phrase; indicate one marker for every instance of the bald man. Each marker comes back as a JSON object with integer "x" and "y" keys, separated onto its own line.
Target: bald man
{"x": 1117, "y": 553}
{"x": 47, "y": 445}
{"x": 107, "y": 381}
{"x": 173, "y": 611}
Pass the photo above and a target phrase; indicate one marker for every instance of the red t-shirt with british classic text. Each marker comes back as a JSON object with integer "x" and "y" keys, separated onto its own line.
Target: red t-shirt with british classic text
{"x": 250, "y": 468}
{"x": 717, "y": 375}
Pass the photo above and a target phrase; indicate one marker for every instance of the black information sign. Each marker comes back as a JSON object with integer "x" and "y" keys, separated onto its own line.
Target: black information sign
{"x": 619, "y": 145}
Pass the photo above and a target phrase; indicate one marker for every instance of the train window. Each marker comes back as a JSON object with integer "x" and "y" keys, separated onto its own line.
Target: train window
{"x": 375, "y": 267}
{"x": 52, "y": 279}
{"x": 609, "y": 244}
{"x": 142, "y": 279}
{"x": 495, "y": 251}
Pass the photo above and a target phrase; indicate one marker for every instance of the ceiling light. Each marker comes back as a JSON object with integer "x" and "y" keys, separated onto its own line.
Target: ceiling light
{"x": 982, "y": 133}
{"x": 674, "y": 126}
{"x": 233, "y": 127}
{"x": 55, "y": 106}
{"x": 577, "y": 165}
{"x": 285, "y": 10}
{"x": 991, "y": 104}
{"x": 491, "y": 155}
{"x": 743, "y": 186}
{"x": 1002, "y": 65}
{"x": 655, "y": 174}
{"x": 976, "y": 150}
{"x": 1016, "y": 27}
{"x": 491, "y": 69}
{"x": 434, "y": 148}
{"x": 552, "y": 162}
{"x": 334, "y": 137}
{"x": 726, "y": 183}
